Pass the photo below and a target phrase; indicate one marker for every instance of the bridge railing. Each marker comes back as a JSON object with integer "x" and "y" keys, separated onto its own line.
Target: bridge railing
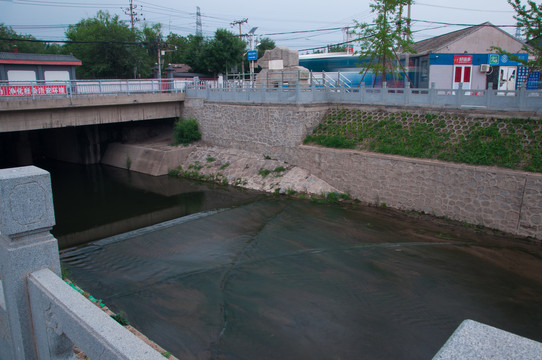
{"x": 488, "y": 99}
{"x": 41, "y": 317}
{"x": 40, "y": 89}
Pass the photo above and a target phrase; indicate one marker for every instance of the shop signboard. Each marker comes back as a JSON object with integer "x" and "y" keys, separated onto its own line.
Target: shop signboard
{"x": 462, "y": 59}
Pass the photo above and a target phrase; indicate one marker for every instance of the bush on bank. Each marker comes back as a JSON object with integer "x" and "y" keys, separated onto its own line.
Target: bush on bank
{"x": 186, "y": 131}
{"x": 508, "y": 143}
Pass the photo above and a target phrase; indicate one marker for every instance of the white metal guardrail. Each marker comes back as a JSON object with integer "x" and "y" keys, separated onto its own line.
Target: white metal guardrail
{"x": 325, "y": 89}
{"x": 43, "y": 89}
{"x": 489, "y": 99}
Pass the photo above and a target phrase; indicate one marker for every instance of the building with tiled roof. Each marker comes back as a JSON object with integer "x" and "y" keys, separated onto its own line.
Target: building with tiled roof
{"x": 37, "y": 67}
{"x": 466, "y": 57}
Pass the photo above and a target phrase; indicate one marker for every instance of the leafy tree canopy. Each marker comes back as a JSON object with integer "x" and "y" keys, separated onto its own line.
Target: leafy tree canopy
{"x": 195, "y": 54}
{"x": 224, "y": 51}
{"x": 24, "y": 46}
{"x": 106, "y": 47}
{"x": 265, "y": 44}
{"x": 177, "y": 45}
{"x": 380, "y": 41}
{"x": 337, "y": 48}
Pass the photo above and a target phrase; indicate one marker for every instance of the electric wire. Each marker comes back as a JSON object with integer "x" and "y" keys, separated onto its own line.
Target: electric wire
{"x": 465, "y": 9}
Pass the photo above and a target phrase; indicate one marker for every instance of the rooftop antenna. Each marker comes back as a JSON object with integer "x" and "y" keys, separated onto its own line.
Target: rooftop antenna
{"x": 199, "y": 31}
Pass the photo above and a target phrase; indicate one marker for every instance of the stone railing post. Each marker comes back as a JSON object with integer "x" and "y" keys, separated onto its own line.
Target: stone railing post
{"x": 522, "y": 97}
{"x": 489, "y": 95}
{"x": 26, "y": 217}
{"x": 407, "y": 92}
{"x": 432, "y": 94}
{"x": 459, "y": 95}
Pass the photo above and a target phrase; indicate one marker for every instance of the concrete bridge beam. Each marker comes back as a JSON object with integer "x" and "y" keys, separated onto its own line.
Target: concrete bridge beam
{"x": 28, "y": 114}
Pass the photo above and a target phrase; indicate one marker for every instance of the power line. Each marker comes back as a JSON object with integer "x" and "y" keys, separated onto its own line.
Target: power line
{"x": 465, "y": 9}
{"x": 78, "y": 42}
{"x": 302, "y": 31}
{"x": 67, "y": 4}
{"x": 466, "y": 25}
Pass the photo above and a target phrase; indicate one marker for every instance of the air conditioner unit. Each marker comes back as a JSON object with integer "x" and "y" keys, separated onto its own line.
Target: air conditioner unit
{"x": 485, "y": 68}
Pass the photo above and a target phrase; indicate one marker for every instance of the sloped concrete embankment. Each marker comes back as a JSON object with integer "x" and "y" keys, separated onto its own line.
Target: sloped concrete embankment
{"x": 231, "y": 166}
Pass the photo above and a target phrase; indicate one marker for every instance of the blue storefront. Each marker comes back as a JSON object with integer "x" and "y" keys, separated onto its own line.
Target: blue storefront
{"x": 477, "y": 71}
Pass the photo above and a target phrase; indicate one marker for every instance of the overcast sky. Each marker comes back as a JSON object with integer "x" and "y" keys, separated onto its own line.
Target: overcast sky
{"x": 48, "y": 19}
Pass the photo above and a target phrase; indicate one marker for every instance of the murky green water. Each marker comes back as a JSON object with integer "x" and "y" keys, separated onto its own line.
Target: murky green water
{"x": 268, "y": 278}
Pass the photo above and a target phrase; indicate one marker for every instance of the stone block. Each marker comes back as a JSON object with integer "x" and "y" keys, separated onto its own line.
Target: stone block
{"x": 26, "y": 201}
{"x": 473, "y": 340}
{"x": 288, "y": 56}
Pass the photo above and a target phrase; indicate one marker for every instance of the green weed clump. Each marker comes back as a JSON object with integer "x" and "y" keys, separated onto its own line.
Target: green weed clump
{"x": 121, "y": 318}
{"x": 334, "y": 141}
{"x": 264, "y": 172}
{"x": 186, "y": 131}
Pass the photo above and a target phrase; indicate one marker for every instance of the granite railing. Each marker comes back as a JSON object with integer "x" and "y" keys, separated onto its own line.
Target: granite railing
{"x": 42, "y": 317}
{"x": 487, "y": 99}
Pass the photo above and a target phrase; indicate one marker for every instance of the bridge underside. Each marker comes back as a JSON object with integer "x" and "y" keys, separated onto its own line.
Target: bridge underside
{"x": 80, "y": 145}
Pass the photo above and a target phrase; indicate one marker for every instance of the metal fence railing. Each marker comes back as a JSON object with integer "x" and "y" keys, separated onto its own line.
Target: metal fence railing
{"x": 43, "y": 89}
{"x": 489, "y": 99}
{"x": 315, "y": 91}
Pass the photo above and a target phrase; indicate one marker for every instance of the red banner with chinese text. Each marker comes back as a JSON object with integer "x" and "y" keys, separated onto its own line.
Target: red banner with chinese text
{"x": 33, "y": 90}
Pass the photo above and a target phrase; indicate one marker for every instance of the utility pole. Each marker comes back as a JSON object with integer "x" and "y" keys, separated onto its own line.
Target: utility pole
{"x": 407, "y": 55}
{"x": 251, "y": 32}
{"x": 199, "y": 30}
{"x": 132, "y": 12}
{"x": 159, "y": 61}
{"x": 239, "y": 22}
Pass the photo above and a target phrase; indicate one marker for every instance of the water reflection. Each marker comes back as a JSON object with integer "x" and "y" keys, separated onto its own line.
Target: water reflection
{"x": 95, "y": 202}
{"x": 289, "y": 279}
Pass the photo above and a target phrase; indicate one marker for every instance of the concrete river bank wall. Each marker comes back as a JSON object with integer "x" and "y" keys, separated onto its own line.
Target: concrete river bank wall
{"x": 507, "y": 200}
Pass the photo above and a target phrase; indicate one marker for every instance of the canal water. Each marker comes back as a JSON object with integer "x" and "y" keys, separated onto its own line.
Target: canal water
{"x": 232, "y": 274}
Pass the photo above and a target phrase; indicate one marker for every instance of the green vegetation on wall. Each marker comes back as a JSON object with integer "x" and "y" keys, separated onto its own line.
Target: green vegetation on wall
{"x": 509, "y": 143}
{"x": 186, "y": 131}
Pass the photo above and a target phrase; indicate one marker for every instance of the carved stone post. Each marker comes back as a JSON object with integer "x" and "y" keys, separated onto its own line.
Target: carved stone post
{"x": 26, "y": 217}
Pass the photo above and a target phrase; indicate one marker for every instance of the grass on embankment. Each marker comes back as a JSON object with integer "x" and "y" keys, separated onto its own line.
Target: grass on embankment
{"x": 508, "y": 143}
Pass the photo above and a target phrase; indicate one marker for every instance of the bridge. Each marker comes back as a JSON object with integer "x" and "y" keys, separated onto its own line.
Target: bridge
{"x": 34, "y": 106}
{"x": 73, "y": 121}
{"x": 80, "y": 103}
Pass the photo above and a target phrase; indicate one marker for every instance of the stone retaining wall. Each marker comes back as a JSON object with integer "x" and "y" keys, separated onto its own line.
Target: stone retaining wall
{"x": 510, "y": 201}
{"x": 507, "y": 200}
{"x": 272, "y": 130}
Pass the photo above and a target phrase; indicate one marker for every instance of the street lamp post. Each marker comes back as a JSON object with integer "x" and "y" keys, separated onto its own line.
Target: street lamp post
{"x": 251, "y": 32}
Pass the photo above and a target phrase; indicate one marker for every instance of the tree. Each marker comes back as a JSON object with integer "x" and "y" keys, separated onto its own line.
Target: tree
{"x": 179, "y": 44}
{"x": 265, "y": 44}
{"x": 195, "y": 54}
{"x": 224, "y": 51}
{"x": 380, "y": 41}
{"x": 529, "y": 20}
{"x": 106, "y": 46}
{"x": 152, "y": 42}
{"x": 25, "y": 43}
{"x": 336, "y": 48}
